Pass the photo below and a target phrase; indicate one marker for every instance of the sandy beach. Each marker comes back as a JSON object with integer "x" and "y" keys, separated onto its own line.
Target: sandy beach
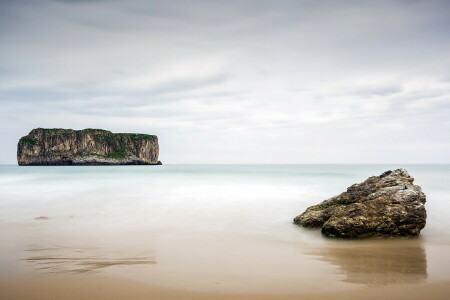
{"x": 109, "y": 288}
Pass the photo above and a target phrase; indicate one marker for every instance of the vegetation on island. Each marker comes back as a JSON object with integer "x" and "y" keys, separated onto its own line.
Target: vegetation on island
{"x": 26, "y": 140}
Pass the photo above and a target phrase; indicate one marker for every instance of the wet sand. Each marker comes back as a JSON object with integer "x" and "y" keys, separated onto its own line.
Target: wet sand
{"x": 48, "y": 263}
{"x": 233, "y": 269}
{"x": 109, "y": 288}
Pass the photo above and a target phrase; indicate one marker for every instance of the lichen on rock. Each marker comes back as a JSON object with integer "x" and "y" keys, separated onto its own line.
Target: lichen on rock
{"x": 385, "y": 205}
{"x": 86, "y": 147}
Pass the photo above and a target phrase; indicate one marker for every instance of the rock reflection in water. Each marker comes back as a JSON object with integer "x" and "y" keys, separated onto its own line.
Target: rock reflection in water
{"x": 79, "y": 260}
{"x": 377, "y": 262}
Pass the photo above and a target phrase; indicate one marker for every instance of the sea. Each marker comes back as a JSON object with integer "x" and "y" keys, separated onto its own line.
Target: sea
{"x": 209, "y": 227}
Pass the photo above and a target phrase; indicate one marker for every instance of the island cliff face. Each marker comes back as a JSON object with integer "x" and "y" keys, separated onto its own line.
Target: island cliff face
{"x": 86, "y": 147}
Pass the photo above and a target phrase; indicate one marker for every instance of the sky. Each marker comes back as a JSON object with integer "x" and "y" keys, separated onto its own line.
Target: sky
{"x": 234, "y": 82}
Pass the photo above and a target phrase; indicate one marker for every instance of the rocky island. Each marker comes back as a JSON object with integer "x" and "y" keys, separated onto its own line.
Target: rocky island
{"x": 86, "y": 147}
{"x": 385, "y": 205}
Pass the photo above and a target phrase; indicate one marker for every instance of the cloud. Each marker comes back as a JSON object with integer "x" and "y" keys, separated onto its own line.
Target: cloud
{"x": 281, "y": 81}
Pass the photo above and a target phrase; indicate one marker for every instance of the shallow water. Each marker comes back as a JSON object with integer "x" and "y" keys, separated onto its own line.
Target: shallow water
{"x": 208, "y": 227}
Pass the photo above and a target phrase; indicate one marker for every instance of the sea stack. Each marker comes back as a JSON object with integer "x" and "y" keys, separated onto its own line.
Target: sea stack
{"x": 385, "y": 205}
{"x": 86, "y": 147}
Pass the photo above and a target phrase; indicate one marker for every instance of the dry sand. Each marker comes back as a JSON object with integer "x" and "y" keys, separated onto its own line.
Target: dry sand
{"x": 112, "y": 288}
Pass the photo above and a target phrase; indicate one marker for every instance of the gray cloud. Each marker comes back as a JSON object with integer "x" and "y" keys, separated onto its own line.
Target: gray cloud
{"x": 234, "y": 81}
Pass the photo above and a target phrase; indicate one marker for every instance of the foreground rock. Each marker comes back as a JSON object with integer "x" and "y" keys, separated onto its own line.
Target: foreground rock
{"x": 86, "y": 147}
{"x": 385, "y": 205}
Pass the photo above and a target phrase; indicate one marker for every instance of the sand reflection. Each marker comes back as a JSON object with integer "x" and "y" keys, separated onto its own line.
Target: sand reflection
{"x": 81, "y": 260}
{"x": 377, "y": 262}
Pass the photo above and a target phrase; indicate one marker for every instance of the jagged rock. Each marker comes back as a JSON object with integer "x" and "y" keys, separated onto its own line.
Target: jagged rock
{"x": 385, "y": 205}
{"x": 86, "y": 147}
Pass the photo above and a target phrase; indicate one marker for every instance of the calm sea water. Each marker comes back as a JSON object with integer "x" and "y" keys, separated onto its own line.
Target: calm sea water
{"x": 212, "y": 226}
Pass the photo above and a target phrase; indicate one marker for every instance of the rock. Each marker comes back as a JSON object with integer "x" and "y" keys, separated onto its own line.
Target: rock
{"x": 86, "y": 147}
{"x": 385, "y": 205}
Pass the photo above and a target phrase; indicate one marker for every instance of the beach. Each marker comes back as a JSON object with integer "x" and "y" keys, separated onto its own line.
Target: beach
{"x": 206, "y": 232}
{"x": 107, "y": 288}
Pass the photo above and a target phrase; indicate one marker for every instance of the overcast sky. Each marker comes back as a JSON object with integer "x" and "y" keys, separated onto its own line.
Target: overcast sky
{"x": 234, "y": 81}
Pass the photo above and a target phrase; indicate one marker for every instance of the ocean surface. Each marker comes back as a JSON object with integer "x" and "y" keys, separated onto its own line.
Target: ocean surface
{"x": 208, "y": 227}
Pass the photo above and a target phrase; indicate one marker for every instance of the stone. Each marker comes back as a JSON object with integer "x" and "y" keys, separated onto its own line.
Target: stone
{"x": 86, "y": 147}
{"x": 385, "y": 205}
